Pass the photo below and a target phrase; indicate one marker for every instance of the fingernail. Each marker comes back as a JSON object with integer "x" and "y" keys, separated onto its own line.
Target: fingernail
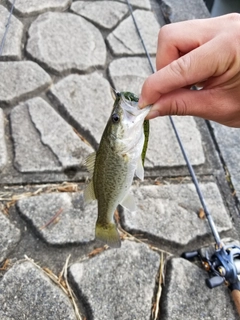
{"x": 152, "y": 114}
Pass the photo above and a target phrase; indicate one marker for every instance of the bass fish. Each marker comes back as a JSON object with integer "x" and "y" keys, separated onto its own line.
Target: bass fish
{"x": 113, "y": 166}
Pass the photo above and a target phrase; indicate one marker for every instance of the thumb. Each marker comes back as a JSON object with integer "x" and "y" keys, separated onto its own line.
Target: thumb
{"x": 200, "y": 103}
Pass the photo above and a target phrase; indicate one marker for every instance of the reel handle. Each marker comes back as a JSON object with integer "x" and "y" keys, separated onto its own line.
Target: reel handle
{"x": 236, "y": 298}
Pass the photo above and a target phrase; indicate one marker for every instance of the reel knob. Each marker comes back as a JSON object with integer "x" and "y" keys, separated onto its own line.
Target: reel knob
{"x": 214, "y": 282}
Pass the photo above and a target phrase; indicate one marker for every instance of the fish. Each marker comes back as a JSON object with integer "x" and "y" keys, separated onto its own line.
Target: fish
{"x": 113, "y": 166}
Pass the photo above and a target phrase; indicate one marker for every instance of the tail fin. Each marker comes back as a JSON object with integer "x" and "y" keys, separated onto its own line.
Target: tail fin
{"x": 108, "y": 233}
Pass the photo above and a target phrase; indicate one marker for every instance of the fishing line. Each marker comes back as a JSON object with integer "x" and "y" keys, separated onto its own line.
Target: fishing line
{"x": 6, "y": 28}
{"x": 190, "y": 167}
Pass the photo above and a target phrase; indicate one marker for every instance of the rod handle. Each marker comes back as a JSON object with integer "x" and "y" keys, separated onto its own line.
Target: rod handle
{"x": 236, "y": 298}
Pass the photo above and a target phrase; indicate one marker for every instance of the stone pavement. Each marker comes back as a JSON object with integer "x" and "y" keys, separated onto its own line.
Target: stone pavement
{"x": 59, "y": 60}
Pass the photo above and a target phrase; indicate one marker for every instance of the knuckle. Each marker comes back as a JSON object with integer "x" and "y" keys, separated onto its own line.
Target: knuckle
{"x": 180, "y": 68}
{"x": 178, "y": 107}
{"x": 164, "y": 33}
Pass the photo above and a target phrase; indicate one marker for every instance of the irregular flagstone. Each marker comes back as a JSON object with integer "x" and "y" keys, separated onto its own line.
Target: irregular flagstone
{"x": 163, "y": 148}
{"x": 170, "y": 212}
{"x": 27, "y": 293}
{"x": 3, "y": 146}
{"x": 184, "y": 10}
{"x": 86, "y": 100}
{"x": 33, "y": 7}
{"x": 75, "y": 223}
{"x": 128, "y": 74}
{"x": 145, "y": 4}
{"x": 185, "y": 295}
{"x": 228, "y": 140}
{"x": 49, "y": 42}
{"x": 27, "y": 78}
{"x": 9, "y": 236}
{"x": 118, "y": 283}
{"x": 125, "y": 40}
{"x": 30, "y": 155}
{"x": 12, "y": 45}
{"x": 57, "y": 134}
{"x": 111, "y": 12}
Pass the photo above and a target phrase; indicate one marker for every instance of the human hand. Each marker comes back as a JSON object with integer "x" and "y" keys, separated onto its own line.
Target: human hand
{"x": 205, "y": 52}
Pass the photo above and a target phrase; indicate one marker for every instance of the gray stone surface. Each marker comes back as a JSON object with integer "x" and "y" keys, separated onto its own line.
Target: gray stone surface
{"x": 111, "y": 12}
{"x": 30, "y": 155}
{"x": 125, "y": 282}
{"x": 228, "y": 140}
{"x": 145, "y": 4}
{"x": 49, "y": 42}
{"x": 170, "y": 212}
{"x": 184, "y": 10}
{"x": 128, "y": 74}
{"x": 33, "y": 7}
{"x": 57, "y": 134}
{"x": 9, "y": 236}
{"x": 87, "y": 100}
{"x": 163, "y": 148}
{"x": 186, "y": 297}
{"x": 75, "y": 222}
{"x": 26, "y": 292}
{"x": 27, "y": 78}
{"x": 3, "y": 146}
{"x": 12, "y": 47}
{"x": 125, "y": 40}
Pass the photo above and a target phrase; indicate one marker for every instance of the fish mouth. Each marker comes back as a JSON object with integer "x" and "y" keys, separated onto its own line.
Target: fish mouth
{"x": 132, "y": 110}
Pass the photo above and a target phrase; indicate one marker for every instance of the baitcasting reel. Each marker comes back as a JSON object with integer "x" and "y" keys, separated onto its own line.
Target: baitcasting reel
{"x": 223, "y": 265}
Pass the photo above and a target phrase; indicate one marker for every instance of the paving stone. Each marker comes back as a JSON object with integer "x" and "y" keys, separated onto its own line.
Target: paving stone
{"x": 12, "y": 45}
{"x": 50, "y": 44}
{"x": 111, "y": 12}
{"x": 9, "y": 236}
{"x": 57, "y": 134}
{"x": 27, "y": 293}
{"x": 125, "y": 40}
{"x": 128, "y": 74}
{"x": 184, "y": 10}
{"x": 27, "y": 78}
{"x": 75, "y": 223}
{"x": 228, "y": 141}
{"x": 185, "y": 295}
{"x": 33, "y": 7}
{"x": 163, "y": 148}
{"x": 86, "y": 100}
{"x": 139, "y": 3}
{"x": 3, "y": 147}
{"x": 30, "y": 155}
{"x": 125, "y": 282}
{"x": 170, "y": 212}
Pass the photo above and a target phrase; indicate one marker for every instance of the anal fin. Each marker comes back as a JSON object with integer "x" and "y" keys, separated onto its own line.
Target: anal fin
{"x": 129, "y": 203}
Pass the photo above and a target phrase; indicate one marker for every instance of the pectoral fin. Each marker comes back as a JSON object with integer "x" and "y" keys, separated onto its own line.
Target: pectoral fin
{"x": 89, "y": 194}
{"x": 129, "y": 203}
{"x": 140, "y": 170}
{"x": 89, "y": 163}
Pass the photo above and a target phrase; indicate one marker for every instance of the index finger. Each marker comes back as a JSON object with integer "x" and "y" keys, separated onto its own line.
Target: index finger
{"x": 195, "y": 66}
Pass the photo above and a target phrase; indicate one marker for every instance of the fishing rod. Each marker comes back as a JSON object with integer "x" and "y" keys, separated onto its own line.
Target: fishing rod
{"x": 223, "y": 264}
{"x": 6, "y": 28}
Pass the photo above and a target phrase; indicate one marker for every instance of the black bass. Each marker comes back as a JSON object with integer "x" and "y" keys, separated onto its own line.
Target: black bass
{"x": 113, "y": 166}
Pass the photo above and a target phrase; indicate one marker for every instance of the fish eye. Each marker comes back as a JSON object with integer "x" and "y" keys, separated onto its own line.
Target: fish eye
{"x": 115, "y": 118}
